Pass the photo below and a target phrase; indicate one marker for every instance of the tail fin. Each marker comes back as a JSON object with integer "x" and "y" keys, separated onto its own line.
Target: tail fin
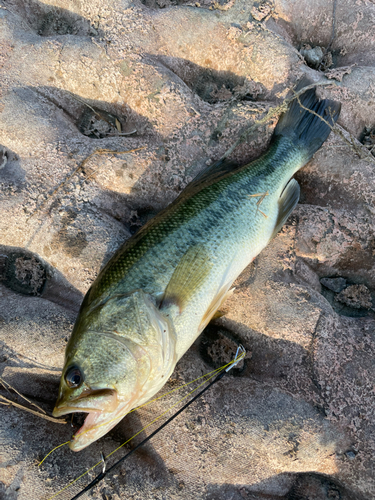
{"x": 309, "y": 127}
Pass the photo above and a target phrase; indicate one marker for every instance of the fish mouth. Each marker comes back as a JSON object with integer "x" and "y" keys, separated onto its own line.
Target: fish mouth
{"x": 90, "y": 418}
{"x": 99, "y": 406}
{"x": 88, "y": 424}
{"x": 100, "y": 417}
{"x": 88, "y": 401}
{"x": 96, "y": 425}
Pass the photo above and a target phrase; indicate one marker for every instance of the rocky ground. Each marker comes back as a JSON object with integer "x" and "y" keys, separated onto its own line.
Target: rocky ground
{"x": 108, "y": 109}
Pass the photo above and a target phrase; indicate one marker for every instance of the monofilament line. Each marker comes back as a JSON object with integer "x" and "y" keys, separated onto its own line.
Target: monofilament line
{"x": 102, "y": 475}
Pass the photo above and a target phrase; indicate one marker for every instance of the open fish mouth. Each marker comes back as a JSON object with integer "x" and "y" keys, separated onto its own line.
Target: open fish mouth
{"x": 101, "y": 408}
{"x": 90, "y": 419}
{"x": 90, "y": 424}
{"x": 87, "y": 402}
{"x": 96, "y": 424}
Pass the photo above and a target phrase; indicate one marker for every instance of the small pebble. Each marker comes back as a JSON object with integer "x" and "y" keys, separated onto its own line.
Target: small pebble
{"x": 313, "y": 57}
{"x": 357, "y": 296}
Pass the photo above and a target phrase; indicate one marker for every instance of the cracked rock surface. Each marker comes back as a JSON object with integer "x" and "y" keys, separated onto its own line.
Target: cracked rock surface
{"x": 107, "y": 111}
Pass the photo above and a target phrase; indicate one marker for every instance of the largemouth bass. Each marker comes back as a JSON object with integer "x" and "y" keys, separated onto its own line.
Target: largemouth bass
{"x": 160, "y": 290}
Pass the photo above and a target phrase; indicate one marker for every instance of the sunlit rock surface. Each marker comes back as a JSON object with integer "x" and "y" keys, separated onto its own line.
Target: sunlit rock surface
{"x": 107, "y": 111}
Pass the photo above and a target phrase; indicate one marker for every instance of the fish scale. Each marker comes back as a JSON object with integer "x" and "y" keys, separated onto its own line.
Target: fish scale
{"x": 191, "y": 218}
{"x": 155, "y": 296}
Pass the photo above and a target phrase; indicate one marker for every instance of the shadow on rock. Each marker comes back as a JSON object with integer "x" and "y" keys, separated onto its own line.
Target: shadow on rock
{"x": 146, "y": 457}
{"x": 12, "y": 176}
{"x": 50, "y": 20}
{"x": 209, "y": 84}
{"x": 268, "y": 359}
{"x": 300, "y": 486}
{"x": 25, "y": 272}
{"x": 94, "y": 119}
{"x": 37, "y": 383}
{"x": 105, "y": 126}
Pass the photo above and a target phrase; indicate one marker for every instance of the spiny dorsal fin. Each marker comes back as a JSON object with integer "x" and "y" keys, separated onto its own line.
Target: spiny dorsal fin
{"x": 287, "y": 202}
{"x": 213, "y": 173}
{"x": 188, "y": 277}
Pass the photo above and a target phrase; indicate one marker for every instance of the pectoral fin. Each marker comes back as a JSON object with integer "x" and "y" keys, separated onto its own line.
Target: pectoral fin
{"x": 287, "y": 202}
{"x": 189, "y": 275}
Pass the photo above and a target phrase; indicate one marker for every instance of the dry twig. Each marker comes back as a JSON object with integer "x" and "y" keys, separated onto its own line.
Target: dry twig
{"x": 259, "y": 202}
{"x": 272, "y": 112}
{"x": 8, "y": 402}
{"x": 7, "y": 385}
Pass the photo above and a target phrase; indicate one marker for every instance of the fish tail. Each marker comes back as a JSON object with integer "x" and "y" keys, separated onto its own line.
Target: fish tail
{"x": 309, "y": 120}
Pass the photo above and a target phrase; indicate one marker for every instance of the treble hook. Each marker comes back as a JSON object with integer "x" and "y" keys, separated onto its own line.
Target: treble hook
{"x": 240, "y": 354}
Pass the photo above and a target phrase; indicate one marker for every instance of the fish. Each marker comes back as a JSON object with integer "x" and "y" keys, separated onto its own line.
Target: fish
{"x": 163, "y": 286}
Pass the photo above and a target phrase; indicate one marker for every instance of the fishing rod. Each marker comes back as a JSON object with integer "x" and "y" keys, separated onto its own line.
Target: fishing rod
{"x": 240, "y": 354}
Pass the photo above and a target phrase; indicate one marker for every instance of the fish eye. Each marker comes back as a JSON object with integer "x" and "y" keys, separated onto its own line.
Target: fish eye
{"x": 73, "y": 377}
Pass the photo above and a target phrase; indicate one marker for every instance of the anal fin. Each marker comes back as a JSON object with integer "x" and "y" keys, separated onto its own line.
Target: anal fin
{"x": 287, "y": 202}
{"x": 217, "y": 301}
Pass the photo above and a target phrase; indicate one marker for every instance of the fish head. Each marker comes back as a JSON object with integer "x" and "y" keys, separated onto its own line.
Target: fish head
{"x": 120, "y": 354}
{"x": 100, "y": 379}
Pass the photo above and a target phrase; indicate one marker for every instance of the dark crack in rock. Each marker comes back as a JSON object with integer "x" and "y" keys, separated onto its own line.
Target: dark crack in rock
{"x": 98, "y": 124}
{"x": 313, "y": 56}
{"x": 334, "y": 284}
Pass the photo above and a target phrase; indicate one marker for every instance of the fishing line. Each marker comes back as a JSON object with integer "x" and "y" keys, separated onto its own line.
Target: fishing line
{"x": 197, "y": 396}
{"x": 135, "y": 435}
{"x": 209, "y": 374}
{"x": 221, "y": 372}
{"x": 48, "y": 454}
{"x": 181, "y": 387}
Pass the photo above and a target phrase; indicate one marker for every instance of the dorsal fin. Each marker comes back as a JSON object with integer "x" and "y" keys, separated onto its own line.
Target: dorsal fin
{"x": 212, "y": 173}
{"x": 188, "y": 277}
{"x": 287, "y": 202}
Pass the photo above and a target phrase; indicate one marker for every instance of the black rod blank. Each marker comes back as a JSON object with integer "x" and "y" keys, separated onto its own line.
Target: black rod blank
{"x": 105, "y": 472}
